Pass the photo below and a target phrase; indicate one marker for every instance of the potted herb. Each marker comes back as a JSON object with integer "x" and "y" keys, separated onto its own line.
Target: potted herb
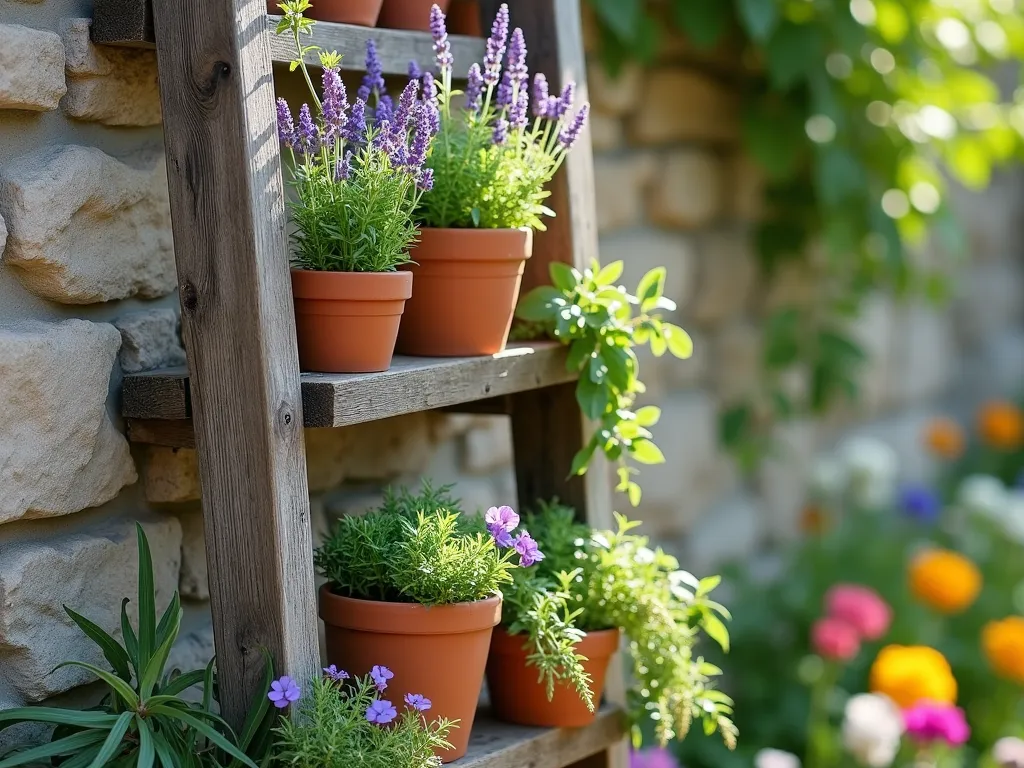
{"x": 562, "y": 621}
{"x": 415, "y": 585}
{"x": 357, "y": 180}
{"x": 408, "y": 14}
{"x": 362, "y": 13}
{"x": 492, "y": 158}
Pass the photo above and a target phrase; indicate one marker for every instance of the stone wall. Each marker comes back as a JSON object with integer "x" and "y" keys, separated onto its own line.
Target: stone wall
{"x": 87, "y": 293}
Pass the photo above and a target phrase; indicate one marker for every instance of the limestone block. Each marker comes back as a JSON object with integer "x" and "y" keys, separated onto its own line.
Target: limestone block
{"x": 59, "y": 451}
{"x": 644, "y": 250}
{"x": 618, "y": 94}
{"x": 113, "y": 86}
{"x": 193, "y": 582}
{"x": 327, "y": 457}
{"x": 991, "y": 299}
{"x": 924, "y": 354}
{"x": 606, "y": 133}
{"x": 149, "y": 339}
{"x": 727, "y": 271}
{"x": 736, "y": 361}
{"x": 195, "y": 646}
{"x": 730, "y": 531}
{"x": 31, "y": 68}
{"x": 620, "y": 183}
{"x": 488, "y": 447}
{"x": 688, "y": 191}
{"x": 682, "y": 105}
{"x": 347, "y": 503}
{"x": 88, "y": 569}
{"x": 85, "y": 227}
{"x": 170, "y": 475}
{"x": 873, "y": 330}
{"x": 782, "y": 478}
{"x": 386, "y": 449}
{"x": 3, "y": 236}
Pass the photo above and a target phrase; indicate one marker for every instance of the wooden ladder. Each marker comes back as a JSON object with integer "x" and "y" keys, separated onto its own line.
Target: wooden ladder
{"x": 242, "y": 401}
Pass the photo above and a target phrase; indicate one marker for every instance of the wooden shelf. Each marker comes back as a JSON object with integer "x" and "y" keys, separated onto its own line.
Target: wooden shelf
{"x": 499, "y": 745}
{"x": 412, "y": 384}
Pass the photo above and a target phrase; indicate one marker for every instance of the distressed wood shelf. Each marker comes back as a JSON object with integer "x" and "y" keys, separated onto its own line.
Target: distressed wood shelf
{"x": 339, "y": 400}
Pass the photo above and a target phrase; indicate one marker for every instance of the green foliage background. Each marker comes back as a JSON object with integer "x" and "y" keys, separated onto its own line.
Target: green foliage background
{"x": 856, "y": 111}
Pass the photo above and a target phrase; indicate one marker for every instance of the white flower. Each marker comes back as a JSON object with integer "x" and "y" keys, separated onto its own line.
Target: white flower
{"x": 1013, "y": 516}
{"x": 872, "y": 729}
{"x": 828, "y": 477}
{"x": 1008, "y": 752}
{"x": 983, "y": 495}
{"x": 872, "y": 467}
{"x": 775, "y": 758}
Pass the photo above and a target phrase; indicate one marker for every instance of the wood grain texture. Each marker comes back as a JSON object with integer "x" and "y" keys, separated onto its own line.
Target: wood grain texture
{"x": 499, "y": 745}
{"x": 168, "y": 433}
{"x": 238, "y": 324}
{"x": 412, "y": 384}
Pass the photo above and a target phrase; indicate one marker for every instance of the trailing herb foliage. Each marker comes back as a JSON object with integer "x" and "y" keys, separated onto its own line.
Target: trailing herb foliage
{"x": 143, "y": 718}
{"x": 348, "y": 723}
{"x": 493, "y": 154}
{"x": 594, "y": 580}
{"x": 420, "y": 548}
{"x": 854, "y": 110}
{"x": 357, "y": 183}
{"x": 595, "y": 318}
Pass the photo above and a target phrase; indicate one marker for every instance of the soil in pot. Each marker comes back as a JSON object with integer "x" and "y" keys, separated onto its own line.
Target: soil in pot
{"x": 347, "y": 322}
{"x": 362, "y": 13}
{"x": 517, "y": 696}
{"x": 409, "y": 14}
{"x": 467, "y": 286}
{"x": 439, "y": 652}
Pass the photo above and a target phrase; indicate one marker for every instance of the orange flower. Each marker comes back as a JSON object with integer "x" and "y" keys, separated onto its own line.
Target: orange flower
{"x": 1001, "y": 425}
{"x": 1003, "y": 643}
{"x": 813, "y": 520}
{"x": 912, "y": 674}
{"x": 944, "y": 580}
{"x": 944, "y": 438}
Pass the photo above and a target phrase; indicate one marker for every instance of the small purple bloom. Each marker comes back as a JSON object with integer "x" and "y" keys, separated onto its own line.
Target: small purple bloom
{"x": 404, "y": 114}
{"x": 426, "y": 180}
{"x": 373, "y": 81}
{"x": 442, "y": 48}
{"x": 355, "y": 129}
{"x": 503, "y": 516}
{"x": 415, "y": 73}
{"x": 380, "y": 676}
{"x": 528, "y": 551}
{"x": 920, "y": 503}
{"x": 430, "y": 117}
{"x": 540, "y": 95}
{"x": 572, "y": 131}
{"x": 335, "y": 102}
{"x": 519, "y": 114}
{"x": 429, "y": 87}
{"x": 284, "y": 691}
{"x": 335, "y": 674}
{"x": 517, "y": 59}
{"x": 381, "y": 712}
{"x": 308, "y": 134}
{"x": 420, "y": 144}
{"x": 500, "y": 132}
{"x": 474, "y": 88}
{"x": 565, "y": 100}
{"x": 343, "y": 168}
{"x": 285, "y": 124}
{"x": 417, "y": 701}
{"x": 505, "y": 90}
{"x": 496, "y": 47}
{"x": 385, "y": 110}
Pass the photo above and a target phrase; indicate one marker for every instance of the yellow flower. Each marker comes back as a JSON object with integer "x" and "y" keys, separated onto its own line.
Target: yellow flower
{"x": 1001, "y": 425}
{"x": 911, "y": 674}
{"x": 1003, "y": 643}
{"x": 944, "y": 581}
{"x": 944, "y": 438}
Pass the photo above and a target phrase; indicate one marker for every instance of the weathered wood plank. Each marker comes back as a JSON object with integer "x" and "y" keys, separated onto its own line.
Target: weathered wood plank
{"x": 238, "y": 324}
{"x": 499, "y": 745}
{"x": 168, "y": 433}
{"x": 412, "y": 384}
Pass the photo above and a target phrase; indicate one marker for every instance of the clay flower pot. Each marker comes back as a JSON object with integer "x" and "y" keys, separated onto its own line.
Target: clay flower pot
{"x": 439, "y": 652}
{"x": 517, "y": 696}
{"x": 409, "y": 14}
{"x": 467, "y": 285}
{"x": 347, "y": 322}
{"x": 464, "y": 18}
{"x": 362, "y": 13}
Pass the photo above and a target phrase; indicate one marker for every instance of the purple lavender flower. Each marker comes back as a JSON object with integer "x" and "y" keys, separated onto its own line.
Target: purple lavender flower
{"x": 386, "y": 141}
{"x": 355, "y": 129}
{"x": 284, "y": 691}
{"x": 474, "y": 88}
{"x": 920, "y": 503}
{"x": 540, "y": 95}
{"x": 420, "y": 144}
{"x": 501, "y": 521}
{"x": 415, "y": 700}
{"x": 429, "y": 87}
{"x": 442, "y": 47}
{"x": 519, "y": 114}
{"x": 380, "y": 676}
{"x": 430, "y": 116}
{"x": 373, "y": 81}
{"x": 415, "y": 73}
{"x": 496, "y": 47}
{"x": 343, "y": 169}
{"x": 426, "y": 180}
{"x": 517, "y": 59}
{"x": 308, "y": 135}
{"x": 335, "y": 103}
{"x": 385, "y": 110}
{"x": 572, "y": 131}
{"x": 565, "y": 100}
{"x": 527, "y": 548}
{"x": 285, "y": 124}
{"x": 505, "y": 90}
{"x": 333, "y": 673}
{"x": 406, "y": 104}
{"x": 381, "y": 712}
{"x": 500, "y": 135}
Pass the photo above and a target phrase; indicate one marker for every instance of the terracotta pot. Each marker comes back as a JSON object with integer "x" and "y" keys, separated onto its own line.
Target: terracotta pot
{"x": 464, "y": 18}
{"x": 347, "y": 322}
{"x": 408, "y": 14}
{"x": 517, "y": 696}
{"x": 362, "y": 13}
{"x": 467, "y": 285}
{"x": 439, "y": 652}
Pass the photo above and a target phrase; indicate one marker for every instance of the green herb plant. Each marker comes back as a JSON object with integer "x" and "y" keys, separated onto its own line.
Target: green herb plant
{"x": 331, "y": 731}
{"x": 596, "y": 580}
{"x": 599, "y": 322}
{"x": 416, "y": 548}
{"x": 143, "y": 720}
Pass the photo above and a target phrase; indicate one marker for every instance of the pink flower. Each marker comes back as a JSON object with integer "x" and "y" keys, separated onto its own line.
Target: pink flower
{"x": 861, "y": 608}
{"x": 930, "y": 722}
{"x": 658, "y": 757}
{"x": 835, "y": 640}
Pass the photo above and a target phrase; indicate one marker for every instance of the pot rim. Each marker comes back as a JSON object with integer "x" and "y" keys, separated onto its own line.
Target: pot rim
{"x": 471, "y": 245}
{"x": 596, "y": 644}
{"x": 354, "y": 613}
{"x": 351, "y": 286}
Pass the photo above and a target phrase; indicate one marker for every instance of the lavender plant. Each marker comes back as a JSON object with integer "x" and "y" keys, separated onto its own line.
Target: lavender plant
{"x": 495, "y": 152}
{"x": 358, "y": 174}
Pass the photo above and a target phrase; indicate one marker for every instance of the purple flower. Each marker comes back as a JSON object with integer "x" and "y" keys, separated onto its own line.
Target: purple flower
{"x": 429, "y": 87}
{"x": 420, "y": 144}
{"x": 930, "y": 722}
{"x": 426, "y": 180}
{"x": 308, "y": 135}
{"x": 385, "y": 110}
{"x": 380, "y": 676}
{"x": 657, "y": 757}
{"x": 500, "y": 131}
{"x": 355, "y": 129}
{"x": 430, "y": 116}
{"x": 406, "y": 104}
{"x": 519, "y": 115}
{"x": 474, "y": 88}
{"x": 540, "y": 95}
{"x": 505, "y": 90}
{"x": 496, "y": 47}
{"x": 920, "y": 503}
{"x": 442, "y": 47}
{"x": 337, "y": 675}
{"x": 517, "y": 59}
{"x": 284, "y": 691}
{"x": 527, "y": 548}
{"x": 415, "y": 73}
{"x": 565, "y": 101}
{"x": 572, "y": 131}
{"x": 501, "y": 521}
{"x": 381, "y": 712}
{"x": 335, "y": 103}
{"x": 416, "y": 701}
{"x": 373, "y": 81}
{"x": 285, "y": 124}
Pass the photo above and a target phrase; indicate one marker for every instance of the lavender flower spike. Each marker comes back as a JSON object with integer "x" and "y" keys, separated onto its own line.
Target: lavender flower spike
{"x": 500, "y": 135}
{"x": 565, "y": 101}
{"x": 572, "y": 131}
{"x": 474, "y": 88}
{"x": 415, "y": 73}
{"x": 285, "y": 124}
{"x": 540, "y": 95}
{"x": 442, "y": 48}
{"x": 373, "y": 81}
{"x": 517, "y": 59}
{"x": 506, "y": 89}
{"x": 406, "y": 104}
{"x": 308, "y": 134}
{"x": 496, "y": 47}
{"x": 355, "y": 129}
{"x": 519, "y": 114}
{"x": 426, "y": 180}
{"x": 335, "y": 103}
